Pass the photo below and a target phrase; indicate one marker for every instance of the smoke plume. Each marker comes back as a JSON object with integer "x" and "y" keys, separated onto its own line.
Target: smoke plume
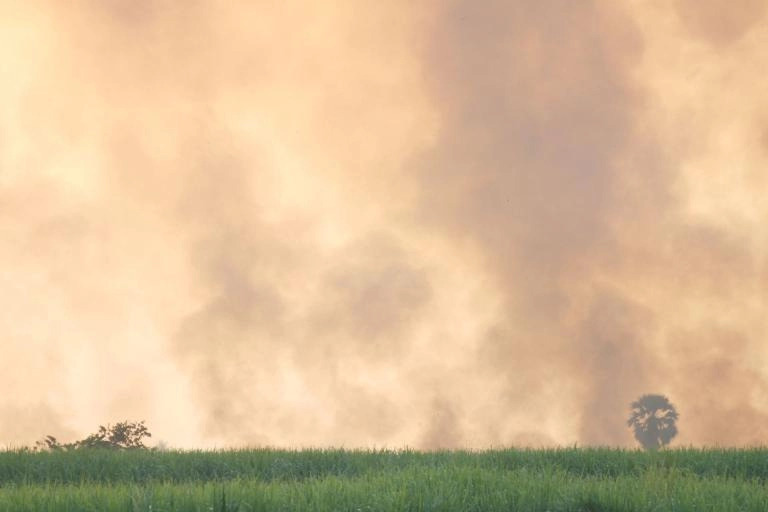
{"x": 444, "y": 224}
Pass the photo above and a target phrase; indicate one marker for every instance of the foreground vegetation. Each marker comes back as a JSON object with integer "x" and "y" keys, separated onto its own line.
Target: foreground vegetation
{"x": 572, "y": 479}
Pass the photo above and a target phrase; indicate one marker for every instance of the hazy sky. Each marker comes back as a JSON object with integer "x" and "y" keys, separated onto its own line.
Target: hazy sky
{"x": 448, "y": 223}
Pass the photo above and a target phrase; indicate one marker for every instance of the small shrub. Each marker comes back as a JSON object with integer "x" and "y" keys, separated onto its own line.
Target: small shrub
{"x": 120, "y": 436}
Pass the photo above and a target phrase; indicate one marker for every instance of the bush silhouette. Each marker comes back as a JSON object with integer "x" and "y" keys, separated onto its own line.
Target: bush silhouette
{"x": 120, "y": 436}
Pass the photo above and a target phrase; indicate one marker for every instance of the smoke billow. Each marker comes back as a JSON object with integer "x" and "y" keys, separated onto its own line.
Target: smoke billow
{"x": 449, "y": 224}
{"x": 719, "y": 22}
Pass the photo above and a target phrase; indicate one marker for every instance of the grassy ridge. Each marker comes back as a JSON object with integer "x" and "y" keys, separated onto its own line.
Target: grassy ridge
{"x": 554, "y": 480}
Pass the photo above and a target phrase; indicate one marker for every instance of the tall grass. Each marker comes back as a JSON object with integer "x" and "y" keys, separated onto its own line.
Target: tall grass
{"x": 573, "y": 479}
{"x": 143, "y": 466}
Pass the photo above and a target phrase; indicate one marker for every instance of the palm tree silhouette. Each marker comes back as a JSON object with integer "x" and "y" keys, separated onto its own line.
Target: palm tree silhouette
{"x": 653, "y": 419}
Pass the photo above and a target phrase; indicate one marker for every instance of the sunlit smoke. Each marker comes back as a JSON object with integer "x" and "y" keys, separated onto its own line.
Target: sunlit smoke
{"x": 452, "y": 224}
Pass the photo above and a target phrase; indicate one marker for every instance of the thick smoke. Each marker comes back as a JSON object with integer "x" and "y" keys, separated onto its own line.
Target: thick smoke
{"x": 537, "y": 108}
{"x": 381, "y": 224}
{"x": 720, "y": 22}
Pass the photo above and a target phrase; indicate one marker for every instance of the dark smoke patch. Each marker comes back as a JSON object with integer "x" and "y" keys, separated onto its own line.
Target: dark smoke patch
{"x": 718, "y": 262}
{"x": 443, "y": 430}
{"x": 614, "y": 360}
{"x": 722, "y": 389}
{"x": 224, "y": 346}
{"x": 366, "y": 417}
{"x": 225, "y": 343}
{"x": 537, "y": 108}
{"x": 360, "y": 304}
{"x": 372, "y": 295}
{"x": 128, "y": 12}
{"x": 720, "y": 22}
{"x": 536, "y": 105}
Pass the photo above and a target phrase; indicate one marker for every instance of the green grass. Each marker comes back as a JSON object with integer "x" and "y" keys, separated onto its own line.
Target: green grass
{"x": 274, "y": 480}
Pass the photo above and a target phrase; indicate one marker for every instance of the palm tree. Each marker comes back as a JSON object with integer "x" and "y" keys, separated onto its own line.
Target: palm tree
{"x": 653, "y": 419}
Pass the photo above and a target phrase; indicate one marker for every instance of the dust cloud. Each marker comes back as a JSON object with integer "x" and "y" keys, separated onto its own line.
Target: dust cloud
{"x": 441, "y": 224}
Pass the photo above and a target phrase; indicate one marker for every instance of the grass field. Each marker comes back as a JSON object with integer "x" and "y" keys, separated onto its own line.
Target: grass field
{"x": 573, "y": 479}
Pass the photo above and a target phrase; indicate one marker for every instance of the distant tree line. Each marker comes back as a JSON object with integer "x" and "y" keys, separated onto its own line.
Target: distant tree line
{"x": 652, "y": 417}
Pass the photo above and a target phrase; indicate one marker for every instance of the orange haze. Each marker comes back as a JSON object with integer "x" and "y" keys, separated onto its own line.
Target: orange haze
{"x": 452, "y": 223}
